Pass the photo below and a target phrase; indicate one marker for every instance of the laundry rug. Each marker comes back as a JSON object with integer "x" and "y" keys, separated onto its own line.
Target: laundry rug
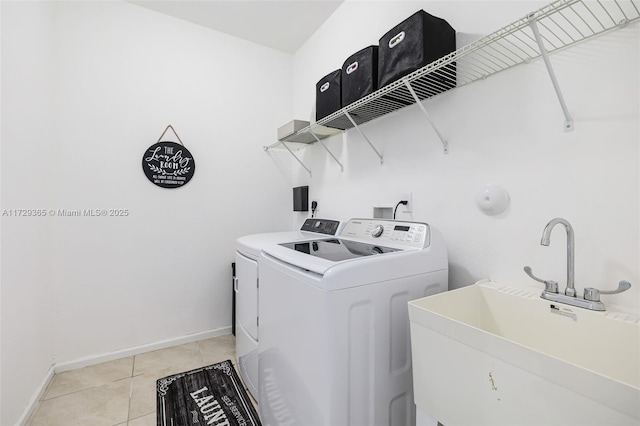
{"x": 212, "y": 395}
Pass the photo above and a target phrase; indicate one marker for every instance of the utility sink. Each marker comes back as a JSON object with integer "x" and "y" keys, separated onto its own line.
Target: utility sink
{"x": 491, "y": 354}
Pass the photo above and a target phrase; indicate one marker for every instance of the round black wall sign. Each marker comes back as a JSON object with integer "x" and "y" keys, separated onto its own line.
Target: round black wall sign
{"x": 168, "y": 164}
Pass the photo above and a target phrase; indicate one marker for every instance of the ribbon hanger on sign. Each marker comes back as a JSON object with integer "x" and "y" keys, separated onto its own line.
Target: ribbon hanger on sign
{"x": 174, "y": 132}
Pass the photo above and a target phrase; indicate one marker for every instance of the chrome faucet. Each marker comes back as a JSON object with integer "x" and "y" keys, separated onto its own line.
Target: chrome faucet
{"x": 591, "y": 299}
{"x": 546, "y": 239}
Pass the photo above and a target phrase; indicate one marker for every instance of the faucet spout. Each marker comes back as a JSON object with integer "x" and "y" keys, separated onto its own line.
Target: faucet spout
{"x": 546, "y": 240}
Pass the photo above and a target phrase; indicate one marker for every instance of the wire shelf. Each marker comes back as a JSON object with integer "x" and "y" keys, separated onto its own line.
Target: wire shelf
{"x": 560, "y": 24}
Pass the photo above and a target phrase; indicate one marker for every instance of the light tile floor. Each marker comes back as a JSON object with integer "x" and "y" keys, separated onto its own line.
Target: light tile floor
{"x": 123, "y": 392}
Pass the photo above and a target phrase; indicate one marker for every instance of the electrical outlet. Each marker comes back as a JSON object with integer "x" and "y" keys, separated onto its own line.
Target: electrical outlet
{"x": 409, "y": 207}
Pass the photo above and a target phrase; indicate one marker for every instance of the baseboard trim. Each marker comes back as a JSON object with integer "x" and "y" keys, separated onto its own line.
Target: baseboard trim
{"x": 97, "y": 359}
{"x": 33, "y": 403}
{"x": 59, "y": 367}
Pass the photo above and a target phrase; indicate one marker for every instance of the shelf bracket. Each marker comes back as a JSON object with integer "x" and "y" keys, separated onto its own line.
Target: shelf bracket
{"x": 296, "y": 157}
{"x": 445, "y": 144}
{"x": 568, "y": 121}
{"x": 327, "y": 149}
{"x": 365, "y": 137}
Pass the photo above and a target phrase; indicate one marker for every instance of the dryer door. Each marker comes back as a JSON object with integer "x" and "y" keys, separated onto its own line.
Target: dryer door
{"x": 246, "y": 288}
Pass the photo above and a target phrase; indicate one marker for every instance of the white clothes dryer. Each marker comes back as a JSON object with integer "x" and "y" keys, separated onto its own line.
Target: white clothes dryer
{"x": 248, "y": 249}
{"x": 334, "y": 324}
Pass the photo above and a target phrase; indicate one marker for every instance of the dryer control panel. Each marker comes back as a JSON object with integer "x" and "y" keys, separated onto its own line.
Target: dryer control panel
{"x": 321, "y": 226}
{"x": 388, "y": 232}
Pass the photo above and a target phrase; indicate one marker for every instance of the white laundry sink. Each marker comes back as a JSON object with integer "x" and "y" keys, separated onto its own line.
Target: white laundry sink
{"x": 490, "y": 354}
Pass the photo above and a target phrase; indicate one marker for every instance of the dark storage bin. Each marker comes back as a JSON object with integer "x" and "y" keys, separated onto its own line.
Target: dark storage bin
{"x": 360, "y": 75}
{"x": 328, "y": 94}
{"x": 414, "y": 43}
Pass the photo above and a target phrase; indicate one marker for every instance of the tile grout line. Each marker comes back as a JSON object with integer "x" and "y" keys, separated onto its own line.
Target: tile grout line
{"x": 202, "y": 352}
{"x": 133, "y": 367}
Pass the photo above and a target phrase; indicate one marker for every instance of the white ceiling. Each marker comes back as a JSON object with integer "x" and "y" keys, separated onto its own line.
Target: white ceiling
{"x": 283, "y": 24}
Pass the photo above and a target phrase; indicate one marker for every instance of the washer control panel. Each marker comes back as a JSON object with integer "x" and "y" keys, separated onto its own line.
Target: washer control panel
{"x": 390, "y": 232}
{"x": 377, "y": 231}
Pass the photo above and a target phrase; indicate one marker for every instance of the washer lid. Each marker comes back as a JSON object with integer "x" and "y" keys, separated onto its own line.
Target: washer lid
{"x": 252, "y": 245}
{"x": 336, "y": 250}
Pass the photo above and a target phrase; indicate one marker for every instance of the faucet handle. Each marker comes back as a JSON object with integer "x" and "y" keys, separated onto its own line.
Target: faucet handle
{"x": 549, "y": 285}
{"x": 593, "y": 294}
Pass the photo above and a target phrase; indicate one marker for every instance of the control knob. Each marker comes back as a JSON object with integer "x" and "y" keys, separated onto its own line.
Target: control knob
{"x": 377, "y": 231}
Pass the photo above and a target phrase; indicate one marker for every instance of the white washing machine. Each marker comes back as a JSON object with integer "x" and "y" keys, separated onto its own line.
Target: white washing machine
{"x": 248, "y": 249}
{"x": 334, "y": 323}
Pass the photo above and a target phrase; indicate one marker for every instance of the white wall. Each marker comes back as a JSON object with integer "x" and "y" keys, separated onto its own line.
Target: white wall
{"x": 87, "y": 88}
{"x": 507, "y": 130}
{"x": 27, "y": 143}
{"x": 164, "y": 271}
